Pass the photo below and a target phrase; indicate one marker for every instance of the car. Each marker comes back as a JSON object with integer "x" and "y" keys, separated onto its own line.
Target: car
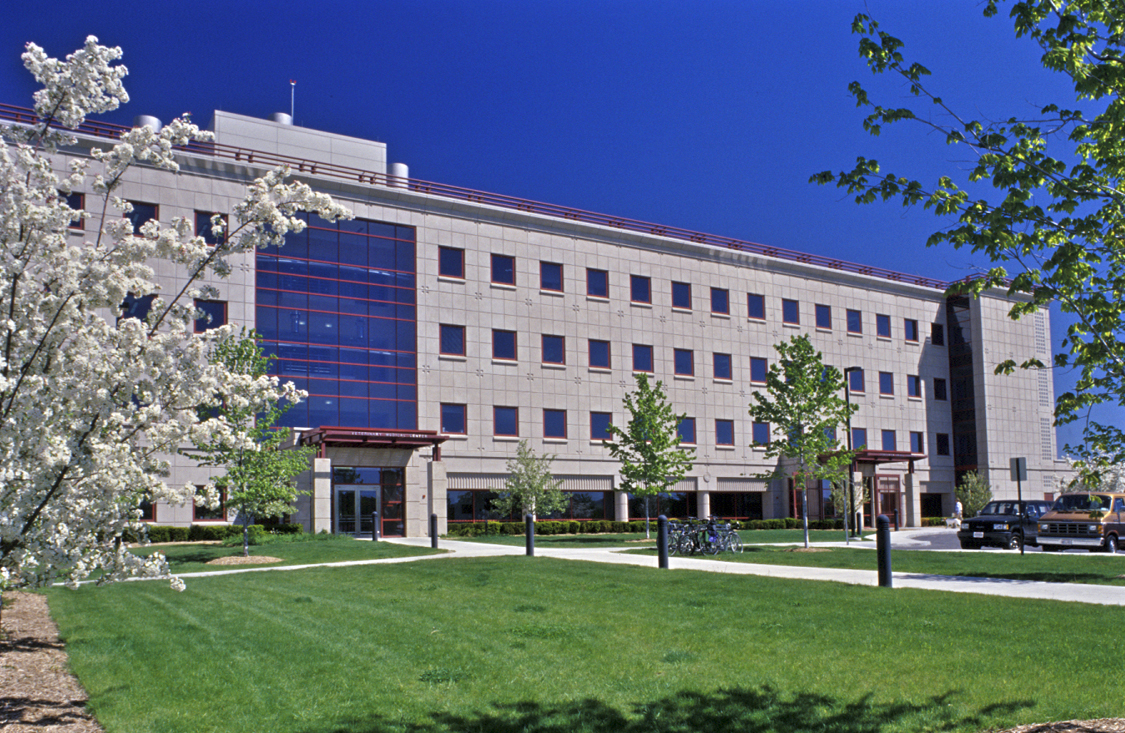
{"x": 1092, "y": 521}
{"x": 1006, "y": 523}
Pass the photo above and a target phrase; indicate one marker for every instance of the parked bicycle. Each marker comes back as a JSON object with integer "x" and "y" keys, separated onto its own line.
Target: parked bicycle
{"x": 698, "y": 537}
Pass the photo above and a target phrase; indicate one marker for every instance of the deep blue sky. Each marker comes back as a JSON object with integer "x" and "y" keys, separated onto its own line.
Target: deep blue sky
{"x": 708, "y": 115}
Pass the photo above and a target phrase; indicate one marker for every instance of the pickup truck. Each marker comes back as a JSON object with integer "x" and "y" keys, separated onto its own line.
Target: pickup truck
{"x": 1008, "y": 524}
{"x": 1089, "y": 520}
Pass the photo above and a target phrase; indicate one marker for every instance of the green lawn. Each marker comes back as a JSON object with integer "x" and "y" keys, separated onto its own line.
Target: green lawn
{"x": 519, "y": 644}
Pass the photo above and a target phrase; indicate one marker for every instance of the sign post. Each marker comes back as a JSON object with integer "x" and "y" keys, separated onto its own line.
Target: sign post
{"x": 1019, "y": 475}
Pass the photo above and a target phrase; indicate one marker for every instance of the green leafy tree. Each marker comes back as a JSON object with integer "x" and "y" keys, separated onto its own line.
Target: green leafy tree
{"x": 1047, "y": 204}
{"x": 260, "y": 473}
{"x": 648, "y": 447}
{"x": 803, "y": 401}
{"x": 530, "y": 488}
{"x": 973, "y": 492}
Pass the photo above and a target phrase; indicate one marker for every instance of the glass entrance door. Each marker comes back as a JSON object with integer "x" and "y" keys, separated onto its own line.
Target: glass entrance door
{"x": 362, "y": 491}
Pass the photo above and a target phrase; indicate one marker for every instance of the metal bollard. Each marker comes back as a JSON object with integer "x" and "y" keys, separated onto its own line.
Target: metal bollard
{"x": 883, "y": 549}
{"x": 375, "y": 533}
{"x": 662, "y": 540}
{"x": 529, "y": 521}
{"x": 433, "y": 531}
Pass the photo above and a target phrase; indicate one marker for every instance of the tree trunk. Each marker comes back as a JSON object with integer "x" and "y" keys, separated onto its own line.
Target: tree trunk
{"x": 245, "y": 535}
{"x": 648, "y": 535}
{"x": 805, "y": 515}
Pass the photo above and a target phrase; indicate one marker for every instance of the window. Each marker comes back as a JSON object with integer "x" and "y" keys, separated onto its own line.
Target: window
{"x": 76, "y": 202}
{"x": 599, "y": 354}
{"x": 855, "y": 321}
{"x": 503, "y": 345}
{"x": 148, "y": 510}
{"x": 913, "y": 385}
{"x": 942, "y": 444}
{"x": 684, "y": 362}
{"x": 451, "y": 262}
{"x": 554, "y": 424}
{"x": 597, "y": 283}
{"x": 859, "y": 438}
{"x": 554, "y": 349}
{"x": 758, "y": 370}
{"x": 824, "y": 316}
{"x": 939, "y": 390}
{"x": 141, "y": 214}
{"x": 642, "y": 358}
{"x": 888, "y": 440}
{"x": 937, "y": 334}
{"x": 640, "y": 289}
{"x": 681, "y": 295}
{"x": 505, "y": 421}
{"x": 723, "y": 366}
{"x": 760, "y": 433}
{"x": 910, "y": 328}
{"x": 209, "y": 514}
{"x": 551, "y": 276}
{"x": 686, "y": 430}
{"x": 503, "y": 270}
{"x": 855, "y": 381}
{"x": 204, "y": 228}
{"x": 883, "y": 326}
{"x": 886, "y": 383}
{"x": 453, "y": 419}
{"x": 724, "y": 432}
{"x": 599, "y": 425}
{"x": 790, "y": 312}
{"x": 720, "y": 301}
{"x": 137, "y": 306}
{"x": 756, "y": 306}
{"x": 917, "y": 443}
{"x": 452, "y": 340}
{"x": 213, "y": 314}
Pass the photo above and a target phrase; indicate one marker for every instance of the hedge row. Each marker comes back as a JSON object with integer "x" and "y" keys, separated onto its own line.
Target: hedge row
{"x": 546, "y": 527}
{"x": 209, "y": 532}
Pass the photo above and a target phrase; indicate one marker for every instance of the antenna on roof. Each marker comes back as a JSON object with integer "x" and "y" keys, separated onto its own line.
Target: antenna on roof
{"x": 292, "y": 95}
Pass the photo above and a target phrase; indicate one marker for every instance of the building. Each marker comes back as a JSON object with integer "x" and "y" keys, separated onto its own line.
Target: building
{"x": 443, "y": 325}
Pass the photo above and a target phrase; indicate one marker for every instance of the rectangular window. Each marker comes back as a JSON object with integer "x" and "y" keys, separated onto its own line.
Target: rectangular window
{"x": 937, "y": 334}
{"x": 889, "y": 440}
{"x": 723, "y": 366}
{"x": 855, "y": 381}
{"x": 599, "y": 425}
{"x": 886, "y": 383}
{"x": 554, "y": 349}
{"x": 855, "y": 321}
{"x": 597, "y": 283}
{"x": 503, "y": 270}
{"x": 681, "y": 295}
{"x": 506, "y": 421}
{"x": 859, "y": 438}
{"x": 790, "y": 312}
{"x": 503, "y": 345}
{"x": 939, "y": 390}
{"x": 642, "y": 358}
{"x": 213, "y": 313}
{"x": 599, "y": 354}
{"x": 720, "y": 301}
{"x": 686, "y": 430}
{"x": 453, "y": 419}
{"x": 76, "y": 202}
{"x": 204, "y": 228}
{"x": 824, "y": 317}
{"x": 640, "y": 289}
{"x": 910, "y": 328}
{"x": 683, "y": 362}
{"x": 917, "y": 443}
{"x": 758, "y": 370}
{"x": 942, "y": 444}
{"x": 551, "y": 276}
{"x": 883, "y": 326}
{"x": 451, "y": 262}
{"x": 913, "y": 385}
{"x": 452, "y": 340}
{"x": 756, "y": 306}
{"x": 209, "y": 514}
{"x": 141, "y": 214}
{"x": 724, "y": 432}
{"x": 760, "y": 433}
{"x": 148, "y": 510}
{"x": 554, "y": 424}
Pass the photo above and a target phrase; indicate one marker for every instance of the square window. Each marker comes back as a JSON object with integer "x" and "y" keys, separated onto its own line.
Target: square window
{"x": 889, "y": 440}
{"x": 758, "y": 370}
{"x": 599, "y": 425}
{"x": 917, "y": 443}
{"x": 554, "y": 349}
{"x": 141, "y": 214}
{"x": 599, "y": 354}
{"x": 204, "y": 228}
{"x": 859, "y": 438}
{"x": 451, "y": 262}
{"x": 886, "y": 383}
{"x": 681, "y": 295}
{"x": 720, "y": 301}
{"x": 138, "y": 307}
{"x": 939, "y": 390}
{"x": 503, "y": 270}
{"x": 686, "y": 430}
{"x": 790, "y": 312}
{"x": 910, "y": 328}
{"x": 640, "y": 289}
{"x": 855, "y": 381}
{"x": 937, "y": 334}
{"x": 724, "y": 432}
{"x": 824, "y": 317}
{"x": 505, "y": 421}
{"x": 551, "y": 276}
{"x": 597, "y": 283}
{"x": 855, "y": 321}
{"x": 76, "y": 202}
{"x": 913, "y": 385}
{"x": 453, "y": 419}
{"x": 760, "y": 433}
{"x": 213, "y": 314}
{"x": 503, "y": 345}
{"x": 452, "y": 340}
{"x": 209, "y": 514}
{"x": 723, "y": 366}
{"x": 942, "y": 444}
{"x": 684, "y": 362}
{"x": 642, "y": 358}
{"x": 883, "y": 326}
{"x": 554, "y": 424}
{"x": 756, "y": 306}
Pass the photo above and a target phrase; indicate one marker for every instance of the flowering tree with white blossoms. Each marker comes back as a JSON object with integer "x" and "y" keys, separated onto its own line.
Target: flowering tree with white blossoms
{"x": 92, "y": 405}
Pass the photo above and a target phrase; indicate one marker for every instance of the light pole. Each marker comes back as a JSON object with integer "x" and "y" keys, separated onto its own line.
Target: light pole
{"x": 851, "y": 465}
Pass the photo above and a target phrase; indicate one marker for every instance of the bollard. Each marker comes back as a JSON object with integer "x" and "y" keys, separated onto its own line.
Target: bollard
{"x": 662, "y": 540}
{"x": 433, "y": 531}
{"x": 897, "y": 526}
{"x": 530, "y": 522}
{"x": 375, "y": 526}
{"x": 883, "y": 549}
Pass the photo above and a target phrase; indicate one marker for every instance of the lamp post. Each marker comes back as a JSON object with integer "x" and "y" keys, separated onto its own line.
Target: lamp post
{"x": 851, "y": 465}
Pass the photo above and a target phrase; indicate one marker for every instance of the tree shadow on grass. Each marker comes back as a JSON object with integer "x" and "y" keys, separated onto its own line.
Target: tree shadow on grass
{"x": 745, "y": 710}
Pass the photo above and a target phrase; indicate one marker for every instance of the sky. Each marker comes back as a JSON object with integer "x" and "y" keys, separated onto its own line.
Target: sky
{"x": 708, "y": 115}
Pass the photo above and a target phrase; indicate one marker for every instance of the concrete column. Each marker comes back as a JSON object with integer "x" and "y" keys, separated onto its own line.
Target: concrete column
{"x": 912, "y": 501}
{"x": 322, "y": 495}
{"x": 703, "y": 503}
{"x": 438, "y": 496}
{"x": 621, "y": 511}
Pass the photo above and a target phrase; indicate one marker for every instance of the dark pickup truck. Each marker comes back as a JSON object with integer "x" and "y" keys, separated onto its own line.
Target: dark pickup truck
{"x": 1008, "y": 524}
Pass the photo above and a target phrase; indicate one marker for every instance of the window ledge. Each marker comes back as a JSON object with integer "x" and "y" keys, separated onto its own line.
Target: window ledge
{"x": 638, "y": 304}
{"x": 505, "y": 438}
{"x": 452, "y": 357}
{"x": 598, "y": 298}
{"x": 724, "y": 447}
{"x": 720, "y": 315}
{"x": 684, "y": 377}
{"x": 751, "y": 319}
{"x": 722, "y": 380}
{"x": 914, "y": 399}
{"x": 886, "y": 396}
{"x": 883, "y": 338}
{"x": 854, "y": 334}
{"x": 823, "y": 329}
{"x": 502, "y": 286}
{"x": 601, "y": 370}
{"x": 451, "y": 279}
{"x": 554, "y": 440}
{"x": 506, "y": 362}
{"x": 681, "y": 310}
{"x": 552, "y": 365}
{"x": 791, "y": 325}
{"x": 456, "y": 436}
{"x": 554, "y": 293}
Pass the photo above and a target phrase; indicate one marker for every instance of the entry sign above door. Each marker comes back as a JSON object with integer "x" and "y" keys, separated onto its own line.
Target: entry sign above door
{"x": 1019, "y": 469}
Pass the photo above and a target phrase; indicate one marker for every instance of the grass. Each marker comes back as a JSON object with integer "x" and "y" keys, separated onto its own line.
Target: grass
{"x": 541, "y": 645}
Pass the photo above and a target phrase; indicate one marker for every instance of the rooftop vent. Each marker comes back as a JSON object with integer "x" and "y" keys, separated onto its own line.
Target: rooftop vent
{"x": 282, "y": 118}
{"x": 400, "y": 172}
{"x": 153, "y": 123}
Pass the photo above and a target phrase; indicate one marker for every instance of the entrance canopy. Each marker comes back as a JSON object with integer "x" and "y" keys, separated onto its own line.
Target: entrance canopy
{"x": 879, "y": 457}
{"x": 325, "y": 437}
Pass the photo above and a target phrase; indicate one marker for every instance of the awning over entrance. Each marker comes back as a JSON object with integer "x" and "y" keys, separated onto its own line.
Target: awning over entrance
{"x": 879, "y": 457}
{"x": 324, "y": 437}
